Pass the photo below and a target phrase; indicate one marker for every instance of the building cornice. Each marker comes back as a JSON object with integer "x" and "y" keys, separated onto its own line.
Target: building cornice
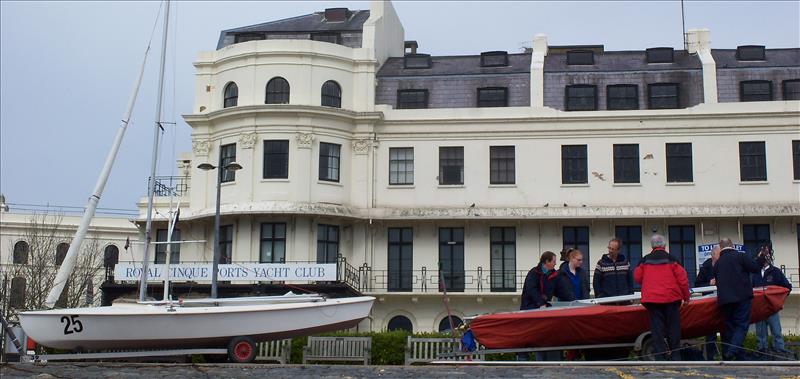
{"x": 282, "y": 110}
{"x": 555, "y": 212}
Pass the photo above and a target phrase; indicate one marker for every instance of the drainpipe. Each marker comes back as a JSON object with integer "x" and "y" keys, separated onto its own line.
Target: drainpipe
{"x": 699, "y": 42}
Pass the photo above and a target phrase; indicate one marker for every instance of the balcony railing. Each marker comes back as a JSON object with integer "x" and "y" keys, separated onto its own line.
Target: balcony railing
{"x": 427, "y": 280}
{"x": 171, "y": 185}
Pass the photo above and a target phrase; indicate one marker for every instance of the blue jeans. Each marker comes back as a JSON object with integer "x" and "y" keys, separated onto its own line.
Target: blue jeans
{"x": 774, "y": 324}
{"x": 737, "y": 320}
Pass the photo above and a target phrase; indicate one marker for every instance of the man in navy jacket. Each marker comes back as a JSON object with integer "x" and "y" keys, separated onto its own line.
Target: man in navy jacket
{"x": 734, "y": 296}
{"x": 770, "y": 276}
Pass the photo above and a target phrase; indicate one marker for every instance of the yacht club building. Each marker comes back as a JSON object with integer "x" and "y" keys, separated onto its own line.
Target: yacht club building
{"x": 401, "y": 167}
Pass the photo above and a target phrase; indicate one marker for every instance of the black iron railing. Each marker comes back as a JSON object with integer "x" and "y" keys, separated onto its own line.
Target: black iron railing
{"x": 171, "y": 185}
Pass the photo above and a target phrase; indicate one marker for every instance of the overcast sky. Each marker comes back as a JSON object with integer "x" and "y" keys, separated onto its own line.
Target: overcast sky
{"x": 67, "y": 68}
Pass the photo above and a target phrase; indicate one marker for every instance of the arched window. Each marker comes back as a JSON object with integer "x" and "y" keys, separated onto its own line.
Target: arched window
{"x": 331, "y": 94}
{"x": 444, "y": 325}
{"x": 277, "y": 91}
{"x": 400, "y": 323}
{"x": 231, "y": 95}
{"x": 111, "y": 256}
{"x": 61, "y": 253}
{"x": 21, "y": 253}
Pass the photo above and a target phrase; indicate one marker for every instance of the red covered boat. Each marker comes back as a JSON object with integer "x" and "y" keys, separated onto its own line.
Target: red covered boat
{"x": 587, "y": 324}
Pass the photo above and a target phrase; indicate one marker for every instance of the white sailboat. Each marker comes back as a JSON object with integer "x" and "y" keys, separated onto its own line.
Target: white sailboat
{"x": 237, "y": 323}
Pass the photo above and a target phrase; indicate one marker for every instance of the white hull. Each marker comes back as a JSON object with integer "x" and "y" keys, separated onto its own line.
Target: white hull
{"x": 195, "y": 324}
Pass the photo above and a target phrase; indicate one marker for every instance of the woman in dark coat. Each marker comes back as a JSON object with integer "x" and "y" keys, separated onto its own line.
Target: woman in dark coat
{"x": 573, "y": 281}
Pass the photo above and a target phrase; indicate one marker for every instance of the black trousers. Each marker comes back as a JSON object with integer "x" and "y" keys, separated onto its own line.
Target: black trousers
{"x": 665, "y": 323}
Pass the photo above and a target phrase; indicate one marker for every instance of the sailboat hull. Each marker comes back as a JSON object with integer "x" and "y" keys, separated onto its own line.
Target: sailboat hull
{"x": 605, "y": 324}
{"x": 137, "y": 326}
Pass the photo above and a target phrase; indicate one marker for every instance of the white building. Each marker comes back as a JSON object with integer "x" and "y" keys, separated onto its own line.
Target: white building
{"x": 353, "y": 144}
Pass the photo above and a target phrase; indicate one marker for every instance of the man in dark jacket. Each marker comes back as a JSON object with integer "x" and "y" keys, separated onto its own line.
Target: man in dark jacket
{"x": 770, "y": 276}
{"x": 734, "y": 296}
{"x": 664, "y": 286}
{"x": 612, "y": 275}
{"x": 705, "y": 278}
{"x": 539, "y": 283}
{"x": 572, "y": 282}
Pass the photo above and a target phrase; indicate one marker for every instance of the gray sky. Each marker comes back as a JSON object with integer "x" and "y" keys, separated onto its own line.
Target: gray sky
{"x": 67, "y": 68}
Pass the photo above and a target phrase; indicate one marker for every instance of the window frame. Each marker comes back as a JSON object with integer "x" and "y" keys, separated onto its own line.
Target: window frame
{"x": 227, "y": 155}
{"x": 225, "y": 244}
{"x": 400, "y": 259}
{"x": 277, "y": 91}
{"x": 486, "y": 97}
{"x": 20, "y": 253}
{"x": 160, "y": 256}
{"x": 752, "y": 161}
{"x": 337, "y": 38}
{"x": 572, "y": 102}
{"x": 753, "y": 235}
{"x": 629, "y": 245}
{"x": 331, "y": 94}
{"x": 276, "y": 161}
{"x": 658, "y": 55}
{"x": 747, "y": 94}
{"x": 230, "y": 95}
{"x": 451, "y": 157}
{"x": 678, "y": 161}
{"x": 785, "y": 89}
{"x": 451, "y": 256}
{"x": 622, "y": 99}
{"x": 503, "y": 279}
{"x": 743, "y": 53}
{"x": 399, "y": 172}
{"x": 326, "y": 242}
{"x": 502, "y": 167}
{"x": 651, "y": 97}
{"x": 402, "y": 95}
{"x": 488, "y": 57}
{"x": 417, "y": 61}
{"x": 796, "y": 159}
{"x": 574, "y": 167}
{"x": 578, "y": 237}
{"x": 683, "y": 247}
{"x": 273, "y": 240}
{"x": 330, "y": 156}
{"x": 626, "y": 163}
{"x": 578, "y": 58}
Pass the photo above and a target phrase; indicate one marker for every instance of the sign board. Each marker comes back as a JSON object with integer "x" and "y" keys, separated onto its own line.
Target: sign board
{"x": 230, "y": 272}
{"x": 704, "y": 252}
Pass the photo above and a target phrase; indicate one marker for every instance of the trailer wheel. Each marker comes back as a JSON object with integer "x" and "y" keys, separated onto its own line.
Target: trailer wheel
{"x": 646, "y": 354}
{"x": 242, "y": 350}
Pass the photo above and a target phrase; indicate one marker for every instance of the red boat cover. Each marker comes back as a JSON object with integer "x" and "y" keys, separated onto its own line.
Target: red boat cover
{"x": 599, "y": 324}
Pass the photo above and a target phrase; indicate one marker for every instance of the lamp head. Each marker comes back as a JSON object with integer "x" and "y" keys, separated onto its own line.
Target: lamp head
{"x": 206, "y": 166}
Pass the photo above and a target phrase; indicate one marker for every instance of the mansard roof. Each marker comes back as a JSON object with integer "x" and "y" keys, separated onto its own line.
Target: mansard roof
{"x": 309, "y": 23}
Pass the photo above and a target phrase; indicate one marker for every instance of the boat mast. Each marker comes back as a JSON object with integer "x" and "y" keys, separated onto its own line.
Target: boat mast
{"x": 72, "y": 253}
{"x": 152, "y": 182}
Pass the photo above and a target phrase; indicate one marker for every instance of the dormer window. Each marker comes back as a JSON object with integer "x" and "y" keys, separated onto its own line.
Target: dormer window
{"x": 326, "y": 37}
{"x": 494, "y": 59}
{"x": 751, "y": 53}
{"x": 417, "y": 61}
{"x": 580, "y": 57}
{"x": 244, "y": 37}
{"x": 336, "y": 14}
{"x": 660, "y": 55}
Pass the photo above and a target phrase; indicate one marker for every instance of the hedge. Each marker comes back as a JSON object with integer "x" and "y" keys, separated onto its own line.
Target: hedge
{"x": 388, "y": 348}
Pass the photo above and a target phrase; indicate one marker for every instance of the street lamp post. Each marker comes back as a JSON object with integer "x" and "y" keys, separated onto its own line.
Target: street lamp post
{"x": 215, "y": 264}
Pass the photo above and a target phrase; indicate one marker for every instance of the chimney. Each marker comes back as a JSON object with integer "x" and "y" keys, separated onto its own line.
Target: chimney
{"x": 410, "y": 47}
{"x": 336, "y": 14}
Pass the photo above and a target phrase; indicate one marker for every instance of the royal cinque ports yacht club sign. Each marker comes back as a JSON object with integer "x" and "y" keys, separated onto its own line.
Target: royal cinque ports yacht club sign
{"x": 229, "y": 272}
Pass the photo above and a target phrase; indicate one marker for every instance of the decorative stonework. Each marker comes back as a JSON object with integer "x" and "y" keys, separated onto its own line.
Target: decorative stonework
{"x": 361, "y": 146}
{"x": 201, "y": 147}
{"x": 305, "y": 140}
{"x": 248, "y": 140}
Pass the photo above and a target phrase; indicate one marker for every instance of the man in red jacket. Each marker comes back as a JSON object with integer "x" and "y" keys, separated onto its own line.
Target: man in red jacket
{"x": 664, "y": 286}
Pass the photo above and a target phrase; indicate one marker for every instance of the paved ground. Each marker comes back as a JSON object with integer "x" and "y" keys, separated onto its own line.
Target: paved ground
{"x": 151, "y": 370}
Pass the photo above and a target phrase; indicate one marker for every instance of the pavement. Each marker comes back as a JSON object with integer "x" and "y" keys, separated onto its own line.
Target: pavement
{"x": 250, "y": 371}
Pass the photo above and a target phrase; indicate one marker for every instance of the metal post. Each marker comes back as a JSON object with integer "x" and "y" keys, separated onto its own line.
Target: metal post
{"x": 215, "y": 263}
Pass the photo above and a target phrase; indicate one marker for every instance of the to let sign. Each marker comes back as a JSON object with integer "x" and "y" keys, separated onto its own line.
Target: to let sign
{"x": 230, "y": 272}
